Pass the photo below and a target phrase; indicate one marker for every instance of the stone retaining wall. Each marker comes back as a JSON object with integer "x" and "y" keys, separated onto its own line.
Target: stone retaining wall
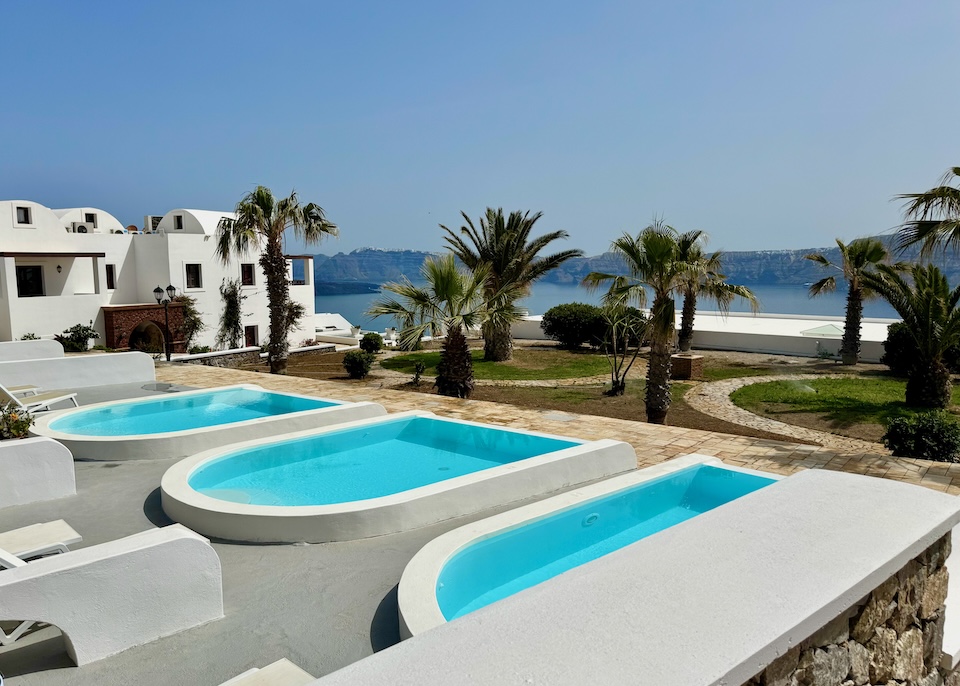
{"x": 893, "y": 637}
{"x": 231, "y": 360}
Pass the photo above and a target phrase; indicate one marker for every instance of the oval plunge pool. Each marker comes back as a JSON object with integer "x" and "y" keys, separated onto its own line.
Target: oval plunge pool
{"x": 181, "y": 424}
{"x": 374, "y": 477}
{"x": 491, "y": 559}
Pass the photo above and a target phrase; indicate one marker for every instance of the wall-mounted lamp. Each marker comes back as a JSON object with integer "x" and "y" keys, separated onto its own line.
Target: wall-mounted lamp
{"x": 59, "y": 269}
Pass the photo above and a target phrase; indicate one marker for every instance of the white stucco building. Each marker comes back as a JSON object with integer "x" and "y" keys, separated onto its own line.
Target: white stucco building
{"x": 68, "y": 266}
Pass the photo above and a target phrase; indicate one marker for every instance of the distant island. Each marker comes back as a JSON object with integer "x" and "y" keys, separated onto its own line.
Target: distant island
{"x": 364, "y": 269}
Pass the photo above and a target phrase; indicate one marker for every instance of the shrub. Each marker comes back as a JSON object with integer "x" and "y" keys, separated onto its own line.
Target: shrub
{"x": 930, "y": 435}
{"x": 307, "y": 342}
{"x": 418, "y": 369}
{"x": 192, "y": 319}
{"x": 574, "y": 324}
{"x": 455, "y": 369}
{"x": 74, "y": 339}
{"x": 358, "y": 363}
{"x": 14, "y": 422}
{"x": 371, "y": 342}
{"x": 900, "y": 351}
{"x": 29, "y": 337}
{"x": 230, "y": 331}
{"x": 197, "y": 349}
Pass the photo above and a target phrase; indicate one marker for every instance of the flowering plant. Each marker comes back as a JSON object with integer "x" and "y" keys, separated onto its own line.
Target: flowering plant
{"x": 14, "y": 422}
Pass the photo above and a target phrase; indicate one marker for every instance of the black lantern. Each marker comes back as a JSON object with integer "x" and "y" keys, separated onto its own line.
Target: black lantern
{"x": 158, "y": 293}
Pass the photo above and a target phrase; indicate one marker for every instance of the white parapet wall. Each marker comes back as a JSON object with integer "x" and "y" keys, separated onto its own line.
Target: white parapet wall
{"x": 12, "y": 351}
{"x": 117, "y": 595}
{"x": 714, "y": 600}
{"x": 33, "y": 470}
{"x": 79, "y": 371}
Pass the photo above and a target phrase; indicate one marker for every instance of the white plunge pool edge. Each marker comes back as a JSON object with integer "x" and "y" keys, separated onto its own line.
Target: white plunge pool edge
{"x": 417, "y": 602}
{"x": 403, "y": 511}
{"x": 173, "y": 444}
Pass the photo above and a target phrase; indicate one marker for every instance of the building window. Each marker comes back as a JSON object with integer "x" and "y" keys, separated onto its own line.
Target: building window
{"x": 247, "y": 274}
{"x": 194, "y": 276}
{"x": 250, "y": 336}
{"x": 23, "y": 215}
{"x": 298, "y": 271}
{"x": 111, "y": 277}
{"x": 90, "y": 218}
{"x": 178, "y": 222}
{"x": 29, "y": 281}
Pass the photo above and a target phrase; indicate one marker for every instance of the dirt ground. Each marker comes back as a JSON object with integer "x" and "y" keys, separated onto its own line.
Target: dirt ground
{"x": 585, "y": 400}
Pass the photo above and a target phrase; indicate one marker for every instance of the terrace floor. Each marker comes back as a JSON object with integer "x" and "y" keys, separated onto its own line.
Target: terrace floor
{"x": 325, "y": 606}
{"x": 653, "y": 443}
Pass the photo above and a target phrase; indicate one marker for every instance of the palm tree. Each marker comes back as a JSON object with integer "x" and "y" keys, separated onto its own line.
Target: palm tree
{"x": 928, "y": 307}
{"x": 450, "y": 297}
{"x": 706, "y": 280}
{"x": 451, "y": 301}
{"x": 655, "y": 260}
{"x": 514, "y": 264}
{"x": 932, "y": 217}
{"x": 262, "y": 221}
{"x": 859, "y": 257}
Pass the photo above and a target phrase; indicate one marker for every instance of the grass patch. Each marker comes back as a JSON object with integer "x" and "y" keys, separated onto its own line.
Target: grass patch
{"x": 734, "y": 371}
{"x": 841, "y": 402}
{"x": 527, "y": 364}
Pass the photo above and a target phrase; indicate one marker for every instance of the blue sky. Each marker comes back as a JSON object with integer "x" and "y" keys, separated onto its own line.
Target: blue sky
{"x": 768, "y": 125}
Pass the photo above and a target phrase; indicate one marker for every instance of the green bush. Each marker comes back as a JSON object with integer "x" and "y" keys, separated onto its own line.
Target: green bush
{"x": 371, "y": 343}
{"x": 196, "y": 349}
{"x": 930, "y": 435}
{"x": 74, "y": 339}
{"x": 14, "y": 422}
{"x": 358, "y": 363}
{"x": 574, "y": 324}
{"x": 900, "y": 351}
{"x": 29, "y": 337}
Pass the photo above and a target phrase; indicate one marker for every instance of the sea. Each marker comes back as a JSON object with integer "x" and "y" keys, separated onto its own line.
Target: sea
{"x": 773, "y": 300}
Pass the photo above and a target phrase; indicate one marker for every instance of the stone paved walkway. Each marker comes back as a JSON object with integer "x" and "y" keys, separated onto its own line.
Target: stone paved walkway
{"x": 714, "y": 399}
{"x": 653, "y": 443}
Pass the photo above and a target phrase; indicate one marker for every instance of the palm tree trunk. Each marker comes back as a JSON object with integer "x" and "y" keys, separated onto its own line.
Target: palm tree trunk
{"x": 929, "y": 385}
{"x": 850, "y": 345}
{"x": 657, "y": 397}
{"x": 278, "y": 293}
{"x": 497, "y": 342}
{"x": 686, "y": 321}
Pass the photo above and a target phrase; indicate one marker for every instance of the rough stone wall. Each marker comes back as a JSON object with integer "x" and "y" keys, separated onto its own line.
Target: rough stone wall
{"x": 893, "y": 637}
{"x": 120, "y": 321}
{"x": 230, "y": 360}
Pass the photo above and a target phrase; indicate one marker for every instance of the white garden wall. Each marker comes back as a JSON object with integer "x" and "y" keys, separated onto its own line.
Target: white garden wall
{"x": 33, "y": 470}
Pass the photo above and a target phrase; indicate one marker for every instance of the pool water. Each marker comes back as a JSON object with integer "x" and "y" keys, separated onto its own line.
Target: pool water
{"x": 181, "y": 412}
{"x": 509, "y": 562}
{"x": 375, "y": 460}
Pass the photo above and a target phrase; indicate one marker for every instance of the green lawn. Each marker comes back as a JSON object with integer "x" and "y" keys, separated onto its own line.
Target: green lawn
{"x": 527, "y": 364}
{"x": 842, "y": 402}
{"x": 719, "y": 373}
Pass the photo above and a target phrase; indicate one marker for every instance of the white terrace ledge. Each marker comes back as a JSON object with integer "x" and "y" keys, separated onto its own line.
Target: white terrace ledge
{"x": 710, "y": 601}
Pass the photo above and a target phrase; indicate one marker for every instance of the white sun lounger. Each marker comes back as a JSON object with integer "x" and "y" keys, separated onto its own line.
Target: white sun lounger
{"x": 39, "y": 539}
{"x": 38, "y": 401}
{"x": 279, "y": 673}
{"x": 26, "y": 389}
{"x": 117, "y": 595}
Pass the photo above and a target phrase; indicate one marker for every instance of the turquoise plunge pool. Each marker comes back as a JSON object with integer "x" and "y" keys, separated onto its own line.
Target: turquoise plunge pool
{"x": 375, "y": 460}
{"x": 182, "y": 412}
{"x": 508, "y": 562}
